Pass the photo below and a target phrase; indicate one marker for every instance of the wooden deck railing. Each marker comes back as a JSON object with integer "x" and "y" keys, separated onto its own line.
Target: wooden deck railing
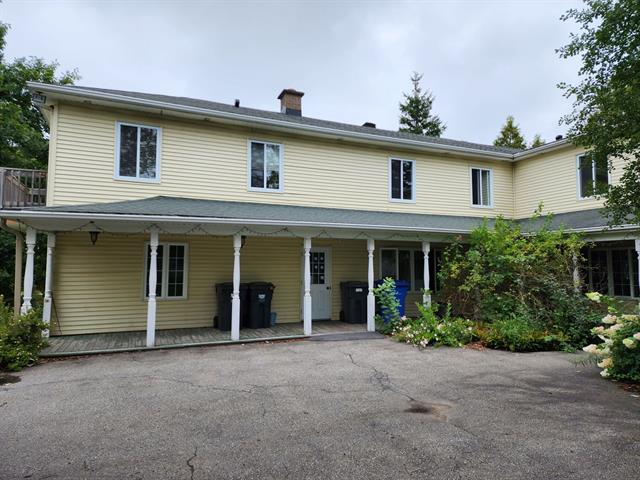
{"x": 22, "y": 187}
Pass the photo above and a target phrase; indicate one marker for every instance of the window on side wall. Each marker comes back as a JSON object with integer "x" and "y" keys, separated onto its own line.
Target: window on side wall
{"x": 401, "y": 180}
{"x": 265, "y": 166}
{"x": 137, "y": 152}
{"x": 408, "y": 265}
{"x": 171, "y": 266}
{"x": 593, "y": 175}
{"x": 481, "y": 187}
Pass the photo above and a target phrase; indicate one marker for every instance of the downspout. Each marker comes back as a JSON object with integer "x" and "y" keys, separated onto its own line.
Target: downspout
{"x": 17, "y": 278}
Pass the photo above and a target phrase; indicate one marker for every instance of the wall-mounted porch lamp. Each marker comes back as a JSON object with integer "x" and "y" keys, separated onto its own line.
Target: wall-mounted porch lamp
{"x": 93, "y": 235}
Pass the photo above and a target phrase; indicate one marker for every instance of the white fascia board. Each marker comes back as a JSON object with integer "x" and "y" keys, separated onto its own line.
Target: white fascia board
{"x": 547, "y": 147}
{"x": 62, "y": 91}
{"x": 20, "y": 214}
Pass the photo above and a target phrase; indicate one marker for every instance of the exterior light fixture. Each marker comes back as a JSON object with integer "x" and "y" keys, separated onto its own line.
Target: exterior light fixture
{"x": 243, "y": 240}
{"x": 94, "y": 236}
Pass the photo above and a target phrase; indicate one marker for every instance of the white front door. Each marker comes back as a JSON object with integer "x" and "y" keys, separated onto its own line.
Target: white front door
{"x": 321, "y": 283}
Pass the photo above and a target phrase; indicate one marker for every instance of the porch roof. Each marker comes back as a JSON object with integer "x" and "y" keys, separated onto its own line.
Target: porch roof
{"x": 189, "y": 210}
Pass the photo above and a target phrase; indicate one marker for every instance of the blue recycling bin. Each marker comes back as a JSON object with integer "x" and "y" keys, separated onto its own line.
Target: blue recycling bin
{"x": 402, "y": 288}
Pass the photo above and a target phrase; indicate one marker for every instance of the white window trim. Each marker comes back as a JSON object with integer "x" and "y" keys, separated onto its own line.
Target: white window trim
{"x": 116, "y": 172}
{"x": 280, "y": 188}
{"x": 165, "y": 271}
{"x": 593, "y": 173}
{"x": 488, "y": 169}
{"x": 413, "y": 181}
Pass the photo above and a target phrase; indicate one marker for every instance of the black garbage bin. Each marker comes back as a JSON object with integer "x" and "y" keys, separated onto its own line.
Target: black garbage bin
{"x": 223, "y": 292}
{"x": 354, "y": 302}
{"x": 260, "y": 296}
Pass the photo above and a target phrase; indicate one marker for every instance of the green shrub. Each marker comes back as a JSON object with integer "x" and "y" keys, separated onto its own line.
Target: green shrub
{"x": 523, "y": 282}
{"x": 518, "y": 334}
{"x": 429, "y": 329}
{"x": 389, "y": 306}
{"x": 20, "y": 338}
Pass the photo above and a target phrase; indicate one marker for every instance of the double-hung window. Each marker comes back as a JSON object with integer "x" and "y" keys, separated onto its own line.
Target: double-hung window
{"x": 593, "y": 175}
{"x": 171, "y": 270}
{"x": 137, "y": 152}
{"x": 265, "y": 166}
{"x": 408, "y": 265}
{"x": 481, "y": 187}
{"x": 401, "y": 180}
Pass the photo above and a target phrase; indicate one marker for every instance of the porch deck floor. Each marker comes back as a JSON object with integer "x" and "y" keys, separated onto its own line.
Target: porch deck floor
{"x": 182, "y": 337}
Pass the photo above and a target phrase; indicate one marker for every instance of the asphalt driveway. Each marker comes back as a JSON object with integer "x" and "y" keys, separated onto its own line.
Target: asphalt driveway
{"x": 345, "y": 409}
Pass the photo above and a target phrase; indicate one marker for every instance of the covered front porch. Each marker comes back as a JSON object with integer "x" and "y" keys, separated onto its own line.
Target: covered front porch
{"x": 95, "y": 343}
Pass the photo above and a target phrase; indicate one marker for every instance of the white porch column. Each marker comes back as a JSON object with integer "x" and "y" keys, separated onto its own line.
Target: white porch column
{"x": 371, "y": 300}
{"x": 152, "y": 281}
{"x": 28, "y": 271}
{"x": 48, "y": 283}
{"x": 426, "y": 248}
{"x": 235, "y": 296}
{"x": 306, "y": 309}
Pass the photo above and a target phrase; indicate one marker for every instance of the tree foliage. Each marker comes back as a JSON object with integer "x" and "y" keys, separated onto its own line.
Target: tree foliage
{"x": 510, "y": 135}
{"x": 537, "y": 141}
{"x": 415, "y": 111}
{"x": 23, "y": 136}
{"x": 606, "y": 100}
{"x": 23, "y": 129}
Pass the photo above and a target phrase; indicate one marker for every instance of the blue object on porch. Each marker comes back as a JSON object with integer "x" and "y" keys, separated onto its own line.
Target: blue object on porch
{"x": 274, "y": 318}
{"x": 401, "y": 288}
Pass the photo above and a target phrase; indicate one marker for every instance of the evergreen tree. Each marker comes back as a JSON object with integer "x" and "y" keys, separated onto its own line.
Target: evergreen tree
{"x": 510, "y": 135}
{"x": 537, "y": 141}
{"x": 415, "y": 112}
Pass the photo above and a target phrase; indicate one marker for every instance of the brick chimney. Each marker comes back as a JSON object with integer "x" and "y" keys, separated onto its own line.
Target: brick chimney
{"x": 291, "y": 102}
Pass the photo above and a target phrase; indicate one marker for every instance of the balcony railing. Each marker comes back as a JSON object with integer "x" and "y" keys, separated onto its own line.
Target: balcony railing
{"x": 22, "y": 187}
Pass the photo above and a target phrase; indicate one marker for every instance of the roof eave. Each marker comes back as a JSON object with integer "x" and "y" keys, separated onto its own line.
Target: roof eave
{"x": 62, "y": 91}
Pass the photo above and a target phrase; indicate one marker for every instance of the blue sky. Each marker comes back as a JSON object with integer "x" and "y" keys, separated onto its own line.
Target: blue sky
{"x": 482, "y": 59}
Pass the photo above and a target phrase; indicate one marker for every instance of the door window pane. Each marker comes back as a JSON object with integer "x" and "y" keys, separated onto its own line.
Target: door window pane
{"x": 148, "y": 149}
{"x": 407, "y": 180}
{"x": 317, "y": 260}
{"x": 388, "y": 263}
{"x": 396, "y": 166}
{"x": 404, "y": 265}
{"x": 128, "y": 151}
{"x": 621, "y": 273}
{"x": 257, "y": 165}
{"x": 599, "y": 272}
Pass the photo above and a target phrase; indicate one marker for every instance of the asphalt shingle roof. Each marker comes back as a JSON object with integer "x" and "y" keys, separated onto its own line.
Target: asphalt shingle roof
{"x": 223, "y": 107}
{"x": 187, "y": 207}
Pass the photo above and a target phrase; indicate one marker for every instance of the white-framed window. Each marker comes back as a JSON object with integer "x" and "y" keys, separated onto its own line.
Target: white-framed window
{"x": 593, "y": 175}
{"x": 265, "y": 166}
{"x": 172, "y": 270}
{"x": 408, "y": 264}
{"x": 137, "y": 152}
{"x": 402, "y": 176}
{"x": 481, "y": 187}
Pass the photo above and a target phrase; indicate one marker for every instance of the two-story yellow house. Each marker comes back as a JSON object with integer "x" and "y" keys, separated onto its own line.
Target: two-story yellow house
{"x": 153, "y": 200}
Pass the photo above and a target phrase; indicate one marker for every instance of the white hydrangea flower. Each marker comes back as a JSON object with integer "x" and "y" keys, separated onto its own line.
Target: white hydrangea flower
{"x": 610, "y": 319}
{"x": 606, "y": 363}
{"x": 594, "y": 296}
{"x": 591, "y": 349}
{"x": 636, "y": 336}
{"x": 629, "y": 342}
{"x": 605, "y": 373}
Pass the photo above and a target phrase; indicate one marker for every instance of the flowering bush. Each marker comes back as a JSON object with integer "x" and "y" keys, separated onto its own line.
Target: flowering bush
{"x": 619, "y": 353}
{"x": 389, "y": 305}
{"x": 20, "y": 338}
{"x": 429, "y": 329}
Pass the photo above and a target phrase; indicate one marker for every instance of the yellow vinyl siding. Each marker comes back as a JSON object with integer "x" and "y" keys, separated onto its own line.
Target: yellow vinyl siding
{"x": 552, "y": 179}
{"x": 204, "y": 160}
{"x": 99, "y": 288}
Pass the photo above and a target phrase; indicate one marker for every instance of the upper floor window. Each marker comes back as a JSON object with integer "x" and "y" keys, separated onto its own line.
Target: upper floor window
{"x": 593, "y": 175}
{"x": 137, "y": 152}
{"x": 481, "y": 187}
{"x": 401, "y": 179}
{"x": 265, "y": 166}
{"x": 171, "y": 269}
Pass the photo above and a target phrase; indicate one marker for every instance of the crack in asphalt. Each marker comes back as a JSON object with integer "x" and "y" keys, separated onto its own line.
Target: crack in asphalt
{"x": 191, "y": 467}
